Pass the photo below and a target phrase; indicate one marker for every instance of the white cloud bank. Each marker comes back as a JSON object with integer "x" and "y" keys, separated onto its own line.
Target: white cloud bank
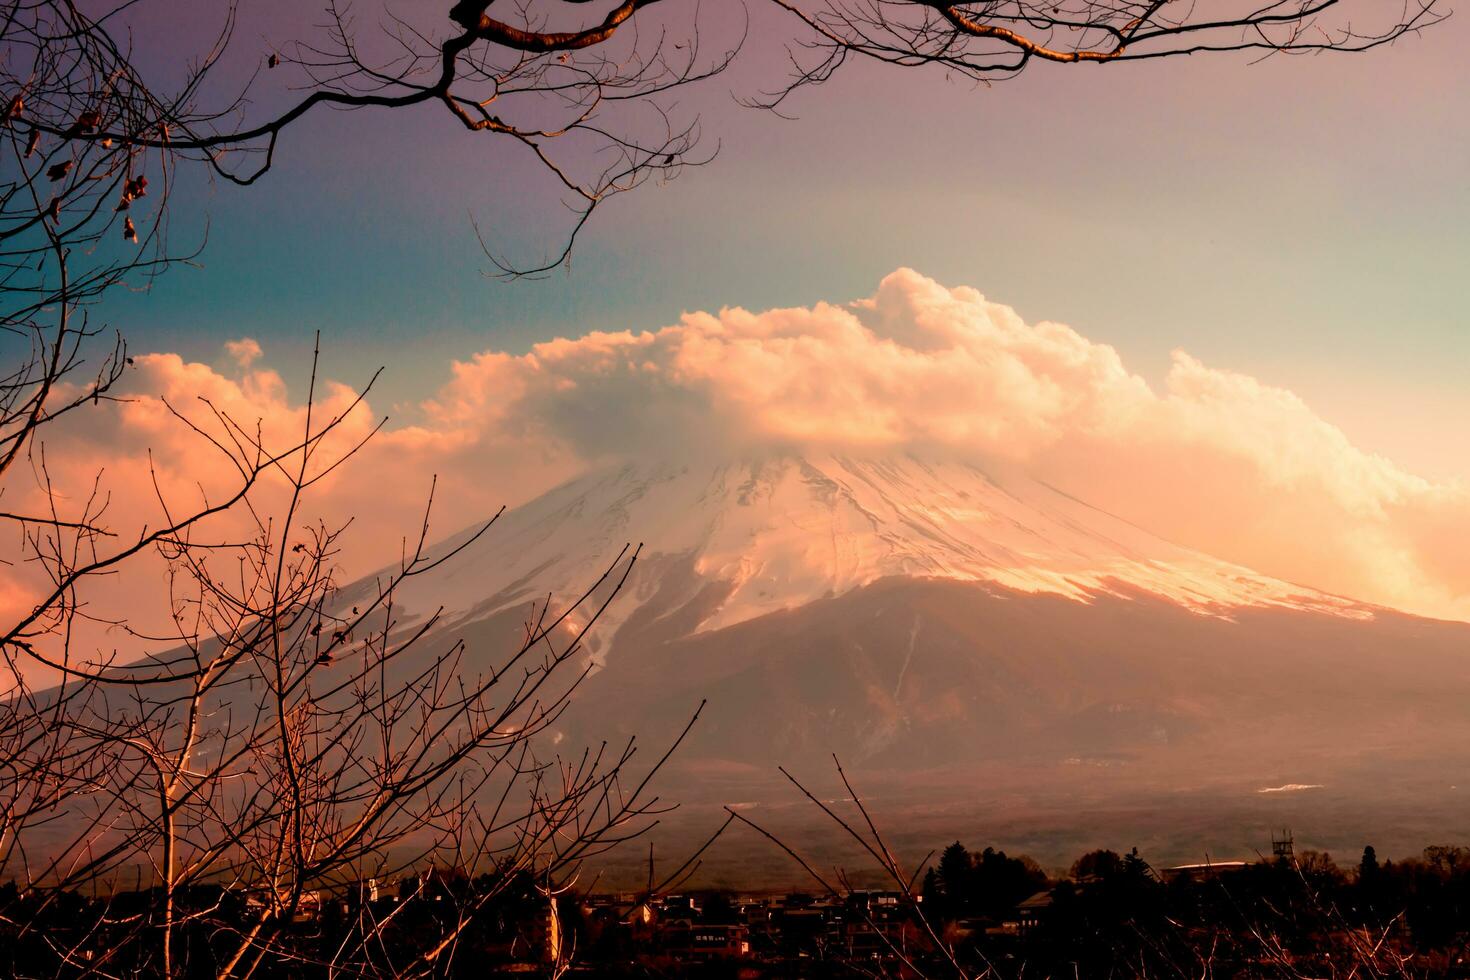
{"x": 1214, "y": 460}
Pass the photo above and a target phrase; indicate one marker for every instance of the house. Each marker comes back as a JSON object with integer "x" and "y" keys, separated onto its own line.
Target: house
{"x": 1202, "y": 872}
{"x": 717, "y": 942}
{"x": 1031, "y": 912}
{"x": 308, "y": 904}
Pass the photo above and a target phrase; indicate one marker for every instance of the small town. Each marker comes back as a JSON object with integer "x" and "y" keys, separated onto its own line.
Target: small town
{"x": 1292, "y": 914}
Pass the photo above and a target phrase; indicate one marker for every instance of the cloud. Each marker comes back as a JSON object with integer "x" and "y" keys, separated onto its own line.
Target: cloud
{"x": 245, "y": 351}
{"x": 1211, "y": 459}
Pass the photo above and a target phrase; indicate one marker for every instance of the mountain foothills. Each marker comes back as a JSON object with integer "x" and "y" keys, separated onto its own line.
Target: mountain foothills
{"x": 979, "y": 647}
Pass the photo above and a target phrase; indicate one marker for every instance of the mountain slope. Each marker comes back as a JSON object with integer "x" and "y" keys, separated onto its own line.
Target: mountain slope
{"x": 921, "y": 673}
{"x": 912, "y": 614}
{"x": 976, "y": 643}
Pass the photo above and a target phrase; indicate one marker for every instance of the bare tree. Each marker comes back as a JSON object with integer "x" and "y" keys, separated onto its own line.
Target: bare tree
{"x": 933, "y": 957}
{"x": 291, "y": 737}
{"x": 997, "y": 39}
{"x": 78, "y": 211}
{"x": 247, "y": 752}
{"x": 587, "y": 89}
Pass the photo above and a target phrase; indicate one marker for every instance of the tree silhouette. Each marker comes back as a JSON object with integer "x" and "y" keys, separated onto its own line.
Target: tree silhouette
{"x": 1097, "y": 864}
{"x": 1368, "y": 866}
{"x": 955, "y": 873}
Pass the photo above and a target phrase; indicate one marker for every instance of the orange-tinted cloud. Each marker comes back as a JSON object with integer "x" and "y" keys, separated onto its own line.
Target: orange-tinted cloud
{"x": 1212, "y": 459}
{"x": 245, "y": 351}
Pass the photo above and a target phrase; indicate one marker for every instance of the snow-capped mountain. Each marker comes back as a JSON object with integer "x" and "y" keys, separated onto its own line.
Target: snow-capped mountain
{"x": 730, "y": 542}
{"x": 952, "y": 630}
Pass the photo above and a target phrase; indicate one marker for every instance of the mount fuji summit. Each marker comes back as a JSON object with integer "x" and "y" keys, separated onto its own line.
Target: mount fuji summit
{"x": 914, "y": 615}
{"x": 725, "y": 543}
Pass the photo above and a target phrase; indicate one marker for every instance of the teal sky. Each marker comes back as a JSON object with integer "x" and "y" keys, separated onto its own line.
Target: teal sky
{"x": 1303, "y": 220}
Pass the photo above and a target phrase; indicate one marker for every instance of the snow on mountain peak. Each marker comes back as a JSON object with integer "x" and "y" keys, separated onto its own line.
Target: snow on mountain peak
{"x": 737, "y": 540}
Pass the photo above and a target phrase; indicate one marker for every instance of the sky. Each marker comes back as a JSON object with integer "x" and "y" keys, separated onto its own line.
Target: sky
{"x": 1257, "y": 249}
{"x": 1303, "y": 220}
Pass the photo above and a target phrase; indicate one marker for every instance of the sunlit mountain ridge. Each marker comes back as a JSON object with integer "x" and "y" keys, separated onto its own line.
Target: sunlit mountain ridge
{"x": 729, "y": 542}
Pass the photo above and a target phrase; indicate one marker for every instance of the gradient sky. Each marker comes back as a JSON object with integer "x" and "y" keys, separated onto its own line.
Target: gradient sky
{"x": 1305, "y": 221}
{"x": 1298, "y": 229}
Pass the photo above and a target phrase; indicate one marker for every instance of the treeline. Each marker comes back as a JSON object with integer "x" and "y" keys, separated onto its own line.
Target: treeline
{"x": 1114, "y": 914}
{"x": 994, "y": 915}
